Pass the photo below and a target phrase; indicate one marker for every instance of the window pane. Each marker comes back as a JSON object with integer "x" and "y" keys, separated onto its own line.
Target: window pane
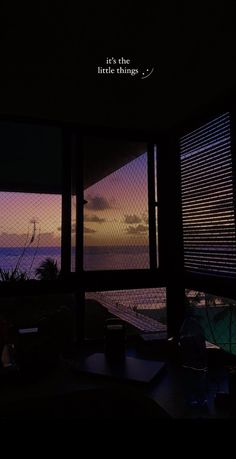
{"x": 30, "y": 232}
{"x": 30, "y": 200}
{"x": 116, "y": 219}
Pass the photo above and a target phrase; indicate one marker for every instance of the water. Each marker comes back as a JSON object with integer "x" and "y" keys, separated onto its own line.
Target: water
{"x": 10, "y": 256}
{"x": 116, "y": 257}
{"x": 95, "y": 257}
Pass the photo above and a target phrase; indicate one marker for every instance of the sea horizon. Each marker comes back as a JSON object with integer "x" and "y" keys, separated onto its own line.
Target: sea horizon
{"x": 95, "y": 257}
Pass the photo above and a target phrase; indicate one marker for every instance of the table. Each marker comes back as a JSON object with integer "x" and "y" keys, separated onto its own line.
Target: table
{"x": 63, "y": 392}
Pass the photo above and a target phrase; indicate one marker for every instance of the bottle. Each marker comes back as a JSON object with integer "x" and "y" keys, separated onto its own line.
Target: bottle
{"x": 194, "y": 362}
{"x": 8, "y": 351}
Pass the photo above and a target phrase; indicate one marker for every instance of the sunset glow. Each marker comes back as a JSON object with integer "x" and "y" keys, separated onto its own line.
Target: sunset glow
{"x": 117, "y": 208}
{"x": 21, "y": 211}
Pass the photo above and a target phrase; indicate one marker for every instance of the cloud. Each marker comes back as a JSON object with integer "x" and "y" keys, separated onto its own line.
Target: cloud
{"x": 145, "y": 218}
{"x": 132, "y": 219}
{"x": 73, "y": 227}
{"x": 19, "y": 240}
{"x": 87, "y": 218}
{"x": 88, "y": 230}
{"x": 94, "y": 219}
{"x": 139, "y": 229}
{"x": 97, "y": 203}
{"x": 49, "y": 239}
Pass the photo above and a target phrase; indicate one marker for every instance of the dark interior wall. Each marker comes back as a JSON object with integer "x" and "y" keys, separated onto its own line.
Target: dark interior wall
{"x": 104, "y": 156}
{"x": 30, "y": 158}
{"x": 49, "y": 60}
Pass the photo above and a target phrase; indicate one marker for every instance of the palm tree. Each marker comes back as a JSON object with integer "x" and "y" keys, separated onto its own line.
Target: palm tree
{"x": 48, "y": 270}
{"x": 15, "y": 274}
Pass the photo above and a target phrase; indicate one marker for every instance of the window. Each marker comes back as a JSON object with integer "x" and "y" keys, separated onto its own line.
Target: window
{"x": 30, "y": 233}
{"x": 208, "y": 212}
{"x": 116, "y": 219}
{"x": 30, "y": 200}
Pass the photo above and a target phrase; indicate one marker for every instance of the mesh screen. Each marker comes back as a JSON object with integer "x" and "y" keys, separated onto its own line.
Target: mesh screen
{"x": 156, "y": 203}
{"x": 116, "y": 219}
{"x": 73, "y": 232}
{"x": 217, "y": 316}
{"x": 30, "y": 233}
{"x": 143, "y": 309}
{"x": 208, "y": 199}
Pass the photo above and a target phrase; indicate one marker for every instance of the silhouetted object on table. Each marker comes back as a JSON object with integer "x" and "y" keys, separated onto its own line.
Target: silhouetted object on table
{"x": 114, "y": 338}
{"x": 8, "y": 364}
{"x": 194, "y": 362}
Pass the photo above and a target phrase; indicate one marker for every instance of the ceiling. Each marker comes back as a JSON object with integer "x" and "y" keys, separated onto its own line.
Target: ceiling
{"x": 31, "y": 160}
{"x": 103, "y": 156}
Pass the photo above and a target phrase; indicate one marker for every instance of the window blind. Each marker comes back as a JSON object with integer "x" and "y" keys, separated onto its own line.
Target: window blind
{"x": 208, "y": 213}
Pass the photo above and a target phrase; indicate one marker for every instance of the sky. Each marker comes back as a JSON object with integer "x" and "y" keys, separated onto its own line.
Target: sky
{"x": 115, "y": 214}
{"x": 23, "y": 214}
{"x": 117, "y": 208}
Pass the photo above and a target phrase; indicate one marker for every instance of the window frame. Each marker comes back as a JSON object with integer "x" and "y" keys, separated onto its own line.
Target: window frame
{"x": 169, "y": 273}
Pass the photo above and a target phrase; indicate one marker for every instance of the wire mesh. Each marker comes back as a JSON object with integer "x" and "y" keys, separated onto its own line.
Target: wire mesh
{"x": 30, "y": 233}
{"x": 145, "y": 309}
{"x": 217, "y": 316}
{"x": 116, "y": 219}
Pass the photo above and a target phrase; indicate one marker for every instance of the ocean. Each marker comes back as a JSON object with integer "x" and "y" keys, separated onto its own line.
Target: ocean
{"x": 95, "y": 257}
{"x": 11, "y": 256}
{"x": 116, "y": 257}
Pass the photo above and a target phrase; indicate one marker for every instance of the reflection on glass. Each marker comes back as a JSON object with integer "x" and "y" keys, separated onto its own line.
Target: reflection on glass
{"x": 144, "y": 311}
{"x": 216, "y": 315}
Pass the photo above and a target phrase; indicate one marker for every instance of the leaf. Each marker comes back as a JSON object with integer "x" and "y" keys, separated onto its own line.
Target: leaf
{"x": 47, "y": 270}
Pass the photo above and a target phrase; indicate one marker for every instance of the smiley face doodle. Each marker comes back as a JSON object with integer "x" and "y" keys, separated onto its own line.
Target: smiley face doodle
{"x": 146, "y": 73}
